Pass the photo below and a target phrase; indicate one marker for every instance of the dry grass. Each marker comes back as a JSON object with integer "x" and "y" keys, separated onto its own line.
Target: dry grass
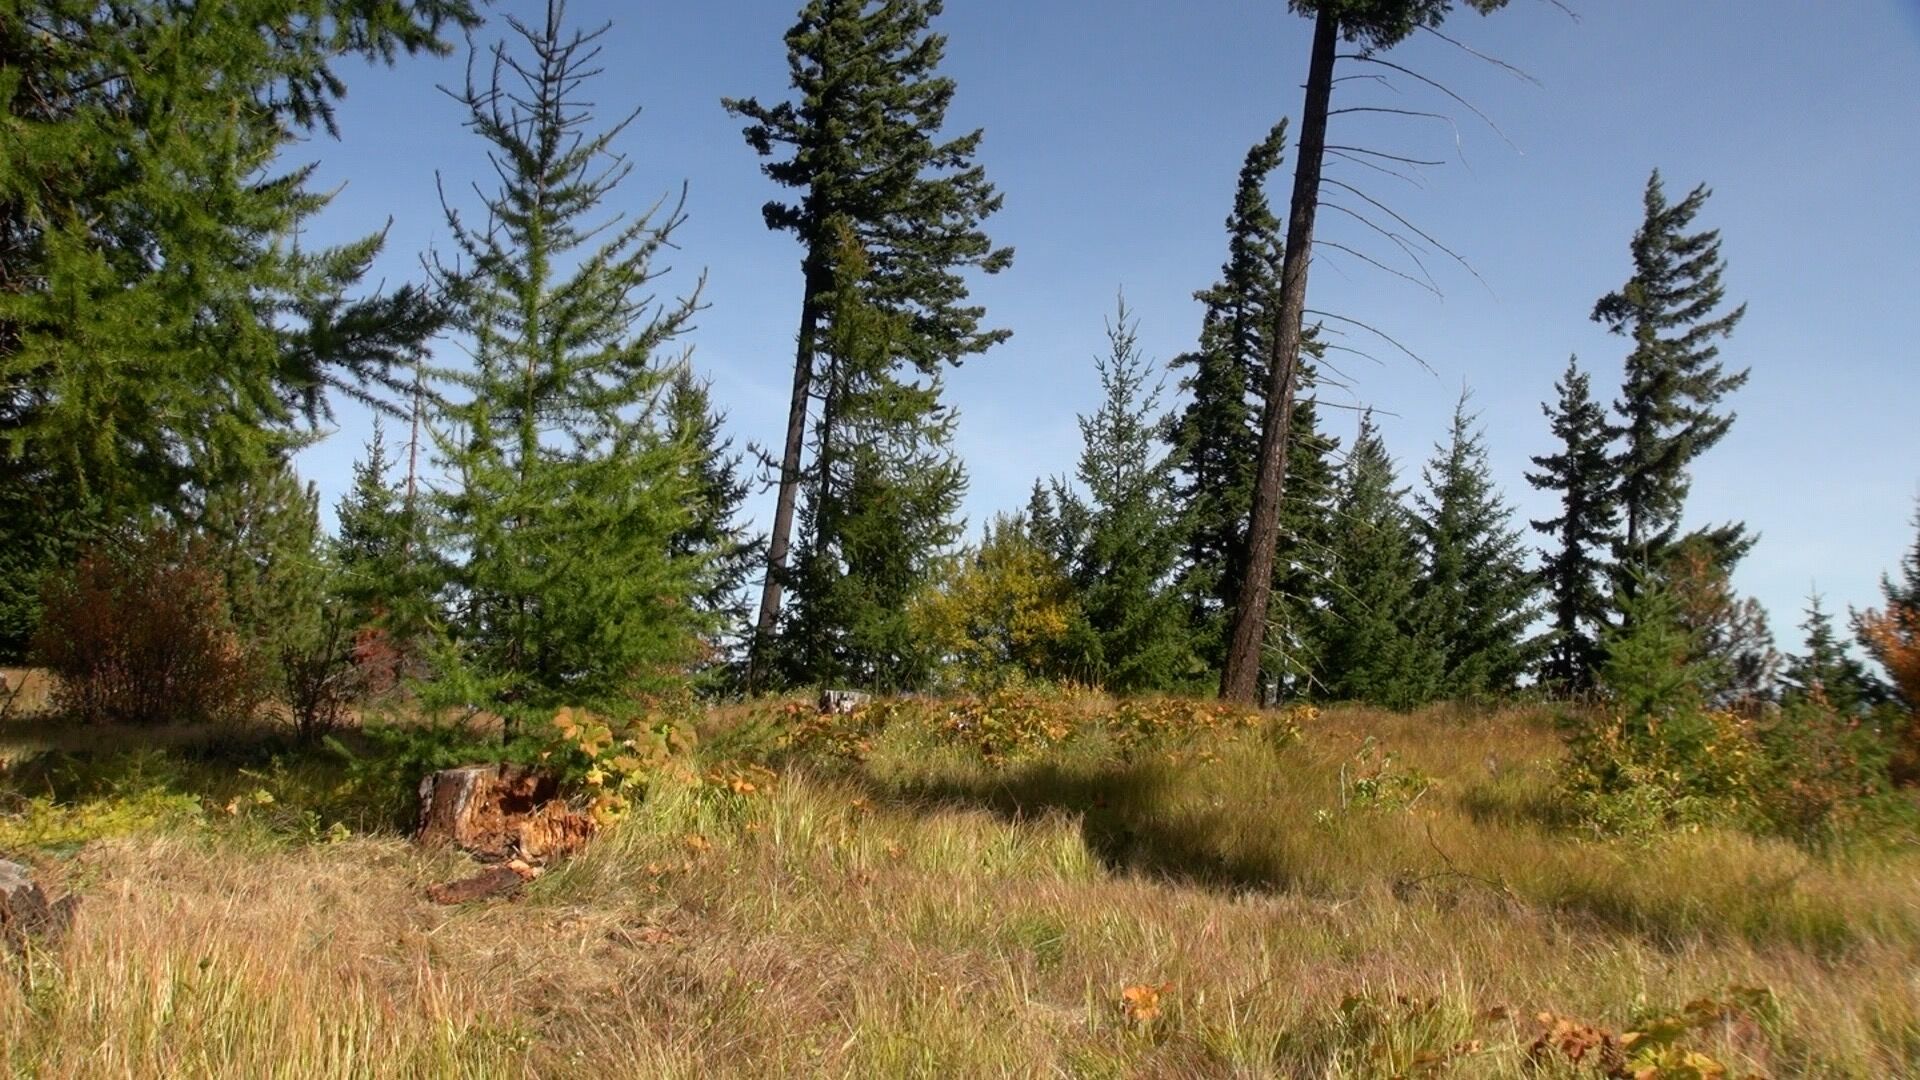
{"x": 923, "y": 914}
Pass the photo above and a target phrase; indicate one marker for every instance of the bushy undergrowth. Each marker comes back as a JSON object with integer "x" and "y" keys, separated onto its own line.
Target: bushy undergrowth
{"x": 138, "y": 632}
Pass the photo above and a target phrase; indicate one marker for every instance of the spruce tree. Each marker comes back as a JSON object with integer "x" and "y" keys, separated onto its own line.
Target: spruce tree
{"x": 1904, "y": 592}
{"x": 1825, "y": 671}
{"x": 565, "y": 492}
{"x": 1374, "y": 25}
{"x": 1124, "y": 538}
{"x": 880, "y": 511}
{"x": 386, "y": 574}
{"x": 1672, "y": 310}
{"x": 1216, "y": 437}
{"x": 1573, "y": 572}
{"x": 1373, "y": 647}
{"x": 862, "y": 146}
{"x": 1477, "y": 594}
{"x": 713, "y": 532}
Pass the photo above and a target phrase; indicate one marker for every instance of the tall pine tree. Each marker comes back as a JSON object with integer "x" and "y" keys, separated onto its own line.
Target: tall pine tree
{"x": 1120, "y": 535}
{"x": 1671, "y": 309}
{"x": 1574, "y": 570}
{"x": 1374, "y": 25}
{"x": 1477, "y": 595}
{"x": 1374, "y": 647}
{"x": 880, "y": 511}
{"x": 566, "y": 492}
{"x": 861, "y": 145}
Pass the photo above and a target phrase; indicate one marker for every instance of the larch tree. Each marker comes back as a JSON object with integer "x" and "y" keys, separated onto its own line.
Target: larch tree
{"x": 564, "y": 492}
{"x": 1574, "y": 570}
{"x": 1373, "y": 25}
{"x": 162, "y": 332}
{"x": 1672, "y": 309}
{"x": 862, "y": 146}
{"x": 1477, "y": 595}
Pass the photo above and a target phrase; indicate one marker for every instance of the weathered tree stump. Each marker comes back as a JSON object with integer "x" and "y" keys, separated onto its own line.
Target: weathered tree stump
{"x": 25, "y": 914}
{"x": 842, "y": 702}
{"x": 479, "y": 808}
{"x": 501, "y": 812}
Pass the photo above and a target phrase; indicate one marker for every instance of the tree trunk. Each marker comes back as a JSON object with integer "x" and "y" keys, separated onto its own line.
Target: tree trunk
{"x": 1240, "y": 682}
{"x": 779, "y": 541}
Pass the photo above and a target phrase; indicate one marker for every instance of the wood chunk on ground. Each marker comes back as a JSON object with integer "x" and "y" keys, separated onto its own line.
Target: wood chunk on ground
{"x": 491, "y": 882}
{"x": 25, "y": 913}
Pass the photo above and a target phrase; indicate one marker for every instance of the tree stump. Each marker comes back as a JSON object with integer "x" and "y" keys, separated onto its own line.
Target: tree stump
{"x": 501, "y": 812}
{"x": 479, "y": 808}
{"x": 842, "y": 702}
{"x": 25, "y": 914}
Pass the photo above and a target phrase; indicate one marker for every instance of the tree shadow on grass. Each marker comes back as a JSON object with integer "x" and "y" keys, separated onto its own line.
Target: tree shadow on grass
{"x": 1127, "y": 815}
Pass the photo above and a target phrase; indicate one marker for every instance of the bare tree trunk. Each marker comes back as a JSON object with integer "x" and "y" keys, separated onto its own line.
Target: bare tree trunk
{"x": 1240, "y": 682}
{"x": 780, "y": 541}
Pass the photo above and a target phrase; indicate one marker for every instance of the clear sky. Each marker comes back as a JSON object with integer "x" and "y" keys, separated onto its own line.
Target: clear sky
{"x": 1116, "y": 130}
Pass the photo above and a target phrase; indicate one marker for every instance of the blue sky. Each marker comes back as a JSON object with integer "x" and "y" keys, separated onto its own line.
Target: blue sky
{"x": 1116, "y": 131}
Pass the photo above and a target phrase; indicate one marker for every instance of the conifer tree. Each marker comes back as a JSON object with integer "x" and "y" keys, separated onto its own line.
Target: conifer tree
{"x": 386, "y": 574}
{"x": 1123, "y": 538}
{"x": 1477, "y": 594}
{"x": 1825, "y": 671}
{"x": 565, "y": 492}
{"x": 263, "y": 536}
{"x": 713, "y": 531}
{"x": 1904, "y": 591}
{"x": 160, "y": 325}
{"x": 862, "y": 146}
{"x": 1574, "y": 570}
{"x": 1373, "y": 646}
{"x": 1374, "y": 25}
{"x": 880, "y": 512}
{"x": 161, "y": 330}
{"x": 1671, "y": 309}
{"x": 1216, "y": 437}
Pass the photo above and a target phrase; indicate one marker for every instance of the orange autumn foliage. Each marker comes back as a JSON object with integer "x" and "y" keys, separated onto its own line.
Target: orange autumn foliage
{"x": 1893, "y": 636}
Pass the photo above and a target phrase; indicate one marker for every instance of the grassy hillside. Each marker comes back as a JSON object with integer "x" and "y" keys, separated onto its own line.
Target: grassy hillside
{"x": 1020, "y": 891}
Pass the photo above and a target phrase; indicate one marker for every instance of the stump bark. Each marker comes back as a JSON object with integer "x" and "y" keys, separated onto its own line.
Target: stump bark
{"x": 25, "y": 914}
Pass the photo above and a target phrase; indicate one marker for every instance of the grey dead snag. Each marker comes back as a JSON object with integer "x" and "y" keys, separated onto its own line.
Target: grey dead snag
{"x": 26, "y": 916}
{"x": 842, "y": 702}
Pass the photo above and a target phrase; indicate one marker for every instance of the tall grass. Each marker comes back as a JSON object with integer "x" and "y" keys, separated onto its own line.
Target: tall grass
{"x": 924, "y": 911}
